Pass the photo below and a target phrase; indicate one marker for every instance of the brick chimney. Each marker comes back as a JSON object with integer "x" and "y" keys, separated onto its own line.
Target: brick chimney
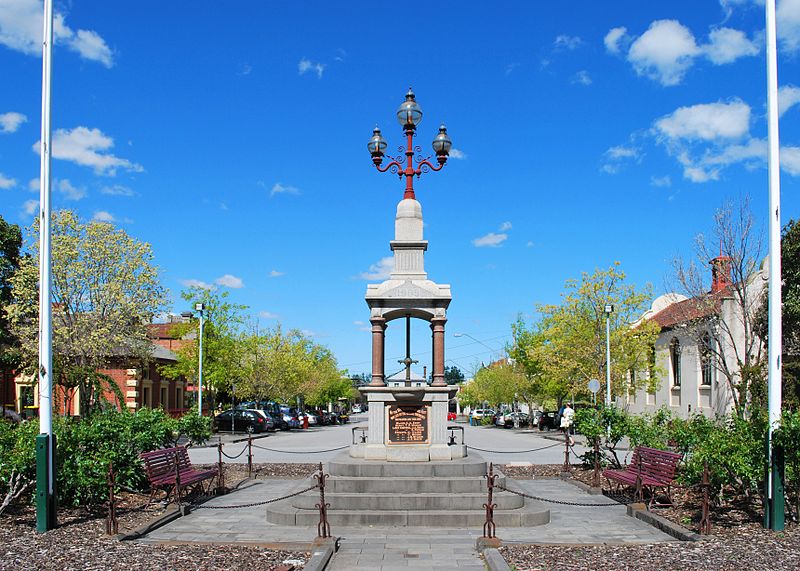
{"x": 720, "y": 273}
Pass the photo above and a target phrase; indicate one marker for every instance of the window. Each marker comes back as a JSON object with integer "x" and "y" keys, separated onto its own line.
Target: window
{"x": 675, "y": 360}
{"x": 706, "y": 360}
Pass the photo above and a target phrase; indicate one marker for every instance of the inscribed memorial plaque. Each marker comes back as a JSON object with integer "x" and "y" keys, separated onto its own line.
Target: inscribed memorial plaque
{"x": 408, "y": 424}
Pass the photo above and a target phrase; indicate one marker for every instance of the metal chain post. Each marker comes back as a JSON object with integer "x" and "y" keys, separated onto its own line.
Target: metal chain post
{"x": 177, "y": 481}
{"x": 596, "y": 474}
{"x": 566, "y": 467}
{"x": 249, "y": 455}
{"x": 220, "y": 471}
{"x": 489, "y": 527}
{"x": 323, "y": 527}
{"x": 112, "y": 525}
{"x": 639, "y": 495}
{"x": 705, "y": 519}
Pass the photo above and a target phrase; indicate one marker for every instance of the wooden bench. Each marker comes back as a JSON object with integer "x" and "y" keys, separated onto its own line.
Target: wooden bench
{"x": 170, "y": 469}
{"x": 655, "y": 469}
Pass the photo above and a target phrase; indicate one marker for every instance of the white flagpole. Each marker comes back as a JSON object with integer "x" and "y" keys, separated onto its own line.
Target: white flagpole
{"x": 45, "y": 518}
{"x": 774, "y": 496}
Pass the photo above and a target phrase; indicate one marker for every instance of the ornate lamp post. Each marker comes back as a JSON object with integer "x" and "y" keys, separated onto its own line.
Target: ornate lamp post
{"x": 409, "y": 115}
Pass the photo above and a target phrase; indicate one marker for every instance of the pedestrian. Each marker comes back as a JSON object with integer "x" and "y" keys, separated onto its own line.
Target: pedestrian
{"x": 567, "y": 418}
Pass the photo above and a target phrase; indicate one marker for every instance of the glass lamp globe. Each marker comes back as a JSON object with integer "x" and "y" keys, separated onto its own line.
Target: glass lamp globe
{"x": 377, "y": 144}
{"x": 442, "y": 143}
{"x": 409, "y": 114}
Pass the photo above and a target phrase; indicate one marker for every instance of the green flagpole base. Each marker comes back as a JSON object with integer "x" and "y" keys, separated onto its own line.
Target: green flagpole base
{"x": 774, "y": 516}
{"x": 45, "y": 498}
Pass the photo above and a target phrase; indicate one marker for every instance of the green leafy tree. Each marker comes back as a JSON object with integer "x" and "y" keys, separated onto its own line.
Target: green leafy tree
{"x": 224, "y": 351}
{"x": 105, "y": 292}
{"x": 572, "y": 343}
{"x": 452, "y": 375}
{"x": 497, "y": 384}
{"x": 10, "y": 245}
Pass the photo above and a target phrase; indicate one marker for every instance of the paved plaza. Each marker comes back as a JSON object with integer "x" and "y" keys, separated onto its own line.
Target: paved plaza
{"x": 387, "y": 548}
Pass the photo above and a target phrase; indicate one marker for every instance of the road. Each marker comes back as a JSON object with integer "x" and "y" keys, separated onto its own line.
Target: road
{"x": 320, "y": 444}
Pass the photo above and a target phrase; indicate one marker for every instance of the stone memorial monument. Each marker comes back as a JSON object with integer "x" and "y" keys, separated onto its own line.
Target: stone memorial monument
{"x": 408, "y": 423}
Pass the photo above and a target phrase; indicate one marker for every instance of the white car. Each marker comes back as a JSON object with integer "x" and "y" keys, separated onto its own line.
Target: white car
{"x": 356, "y": 408}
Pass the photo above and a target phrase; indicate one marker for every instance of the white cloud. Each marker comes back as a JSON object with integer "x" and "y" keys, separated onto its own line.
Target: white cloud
{"x": 457, "y": 154}
{"x": 279, "y": 188}
{"x": 727, "y": 45}
{"x": 230, "y": 281}
{"x": 10, "y": 122}
{"x": 192, "y": 283}
{"x": 582, "y": 77}
{"x": 70, "y": 192}
{"x": 505, "y": 227}
{"x": 362, "y": 326}
{"x": 117, "y": 190}
{"x": 88, "y": 148}
{"x": 33, "y": 185}
{"x": 21, "y": 30}
{"x": 567, "y": 42}
{"x": 306, "y": 65}
{"x": 103, "y": 216}
{"x": 381, "y": 270}
{"x": 615, "y": 38}
{"x": 661, "y": 181}
{"x": 530, "y": 244}
{"x": 492, "y": 240}
{"x": 788, "y": 97}
{"x": 664, "y": 52}
{"x": 788, "y": 17}
{"x": 268, "y": 315}
{"x": 620, "y": 152}
{"x": 31, "y": 207}
{"x": 276, "y": 274}
{"x": 699, "y": 174}
{"x": 511, "y": 67}
{"x": 6, "y": 183}
{"x": 790, "y": 160}
{"x": 709, "y": 121}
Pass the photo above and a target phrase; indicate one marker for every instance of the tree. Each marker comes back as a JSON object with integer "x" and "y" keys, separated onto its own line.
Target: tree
{"x": 790, "y": 297}
{"x": 10, "y": 245}
{"x": 571, "y": 337}
{"x": 224, "y": 346}
{"x": 496, "y": 384}
{"x": 733, "y": 345}
{"x": 105, "y": 292}
{"x": 452, "y": 375}
{"x": 526, "y": 353}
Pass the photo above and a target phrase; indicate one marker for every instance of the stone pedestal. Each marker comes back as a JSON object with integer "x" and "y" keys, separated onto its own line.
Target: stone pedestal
{"x": 407, "y": 424}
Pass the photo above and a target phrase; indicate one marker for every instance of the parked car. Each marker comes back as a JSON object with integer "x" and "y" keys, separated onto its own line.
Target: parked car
{"x": 548, "y": 421}
{"x": 477, "y": 415}
{"x": 451, "y": 416}
{"x": 235, "y": 420}
{"x": 313, "y": 419}
{"x": 278, "y": 422}
{"x": 507, "y": 419}
{"x": 356, "y": 408}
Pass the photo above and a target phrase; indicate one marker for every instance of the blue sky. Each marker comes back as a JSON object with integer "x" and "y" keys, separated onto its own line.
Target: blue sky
{"x": 232, "y": 137}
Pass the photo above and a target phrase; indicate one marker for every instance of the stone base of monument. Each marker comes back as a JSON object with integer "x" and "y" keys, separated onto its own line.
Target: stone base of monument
{"x": 425, "y": 494}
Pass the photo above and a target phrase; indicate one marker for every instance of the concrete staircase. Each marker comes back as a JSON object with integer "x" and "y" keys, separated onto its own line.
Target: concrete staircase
{"x": 416, "y": 494}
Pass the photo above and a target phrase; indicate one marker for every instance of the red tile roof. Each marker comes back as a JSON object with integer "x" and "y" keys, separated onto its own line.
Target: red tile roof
{"x": 688, "y": 310}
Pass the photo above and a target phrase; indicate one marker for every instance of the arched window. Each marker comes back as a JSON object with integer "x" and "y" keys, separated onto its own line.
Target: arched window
{"x": 706, "y": 360}
{"x": 675, "y": 359}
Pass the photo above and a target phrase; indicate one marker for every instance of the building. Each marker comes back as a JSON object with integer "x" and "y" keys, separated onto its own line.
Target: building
{"x": 695, "y": 359}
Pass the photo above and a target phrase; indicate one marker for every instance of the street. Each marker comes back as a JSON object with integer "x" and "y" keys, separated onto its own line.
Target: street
{"x": 305, "y": 446}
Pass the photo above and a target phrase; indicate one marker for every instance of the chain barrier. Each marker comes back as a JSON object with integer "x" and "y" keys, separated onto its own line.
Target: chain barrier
{"x": 301, "y": 451}
{"x": 112, "y": 525}
{"x": 559, "y": 502}
{"x": 256, "y": 504}
{"x": 237, "y": 456}
{"x": 514, "y": 451}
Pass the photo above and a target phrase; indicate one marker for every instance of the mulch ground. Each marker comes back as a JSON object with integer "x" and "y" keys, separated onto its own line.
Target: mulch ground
{"x": 737, "y": 540}
{"x": 80, "y": 541}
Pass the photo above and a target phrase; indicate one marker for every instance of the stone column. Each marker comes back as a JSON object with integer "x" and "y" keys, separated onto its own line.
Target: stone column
{"x": 437, "y": 326}
{"x": 378, "y": 337}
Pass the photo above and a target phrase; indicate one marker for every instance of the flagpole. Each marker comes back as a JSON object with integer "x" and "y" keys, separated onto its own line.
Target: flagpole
{"x": 45, "y": 442}
{"x": 774, "y": 516}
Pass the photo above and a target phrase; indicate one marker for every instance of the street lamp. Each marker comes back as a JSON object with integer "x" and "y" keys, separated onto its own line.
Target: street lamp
{"x": 409, "y": 116}
{"x": 199, "y": 307}
{"x": 608, "y": 310}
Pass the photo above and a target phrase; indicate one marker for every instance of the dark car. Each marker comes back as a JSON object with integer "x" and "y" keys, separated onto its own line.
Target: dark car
{"x": 278, "y": 422}
{"x": 251, "y": 421}
{"x": 548, "y": 421}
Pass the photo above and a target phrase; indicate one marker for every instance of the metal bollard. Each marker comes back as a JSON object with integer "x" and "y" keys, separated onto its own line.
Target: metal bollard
{"x": 596, "y": 474}
{"x": 705, "y": 518}
{"x": 112, "y": 525}
{"x": 566, "y": 467}
{"x": 220, "y": 471}
{"x": 639, "y": 495}
{"x": 323, "y": 527}
{"x": 249, "y": 455}
{"x": 489, "y": 527}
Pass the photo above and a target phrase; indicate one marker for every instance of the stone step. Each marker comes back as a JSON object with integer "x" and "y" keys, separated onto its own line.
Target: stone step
{"x": 407, "y": 502}
{"x": 372, "y": 469}
{"x": 408, "y": 485}
{"x": 528, "y": 516}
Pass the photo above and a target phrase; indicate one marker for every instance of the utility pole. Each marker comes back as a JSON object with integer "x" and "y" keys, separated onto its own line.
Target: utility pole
{"x": 200, "y": 307}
